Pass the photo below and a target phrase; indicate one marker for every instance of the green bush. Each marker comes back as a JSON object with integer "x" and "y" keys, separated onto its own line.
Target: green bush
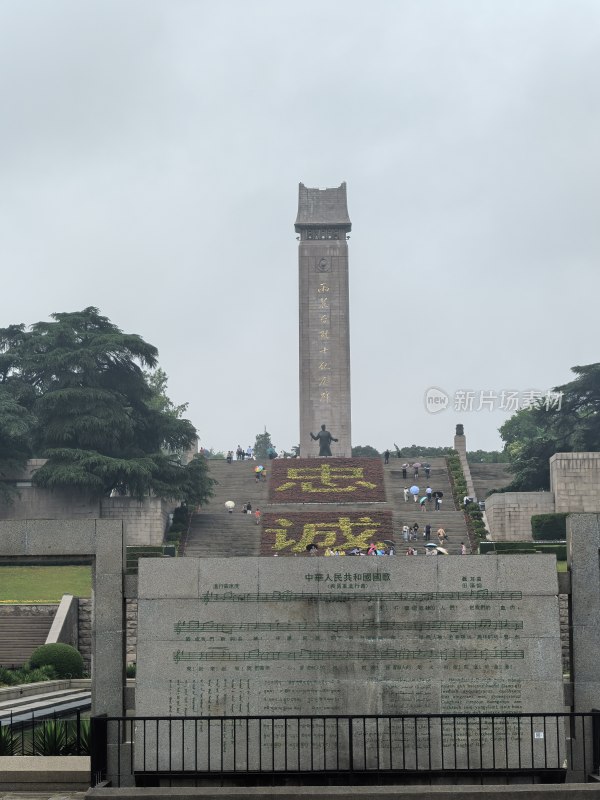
{"x": 66, "y": 660}
{"x": 8, "y": 742}
{"x": 15, "y": 677}
{"x": 130, "y": 670}
{"x": 559, "y": 550}
{"x": 177, "y": 527}
{"x": 50, "y": 739}
{"x": 507, "y": 547}
{"x": 549, "y": 527}
{"x": 181, "y": 516}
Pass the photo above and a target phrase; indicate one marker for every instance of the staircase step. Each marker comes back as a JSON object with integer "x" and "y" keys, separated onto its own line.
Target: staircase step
{"x": 214, "y": 532}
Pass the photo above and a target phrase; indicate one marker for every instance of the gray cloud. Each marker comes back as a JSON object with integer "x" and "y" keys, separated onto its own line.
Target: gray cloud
{"x": 150, "y": 154}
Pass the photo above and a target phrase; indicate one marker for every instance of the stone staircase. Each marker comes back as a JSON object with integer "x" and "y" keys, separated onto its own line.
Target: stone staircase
{"x": 489, "y": 476}
{"x": 448, "y": 518}
{"x": 215, "y": 533}
{"x": 22, "y": 632}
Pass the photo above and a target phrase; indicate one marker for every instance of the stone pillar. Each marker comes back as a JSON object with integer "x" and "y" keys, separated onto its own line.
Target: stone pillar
{"x": 323, "y": 224}
{"x": 460, "y": 445}
{"x": 583, "y": 546}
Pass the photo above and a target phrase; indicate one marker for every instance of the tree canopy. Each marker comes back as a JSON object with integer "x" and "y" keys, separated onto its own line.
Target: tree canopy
{"x": 365, "y": 451}
{"x": 566, "y": 421}
{"x": 75, "y": 392}
{"x": 263, "y": 445}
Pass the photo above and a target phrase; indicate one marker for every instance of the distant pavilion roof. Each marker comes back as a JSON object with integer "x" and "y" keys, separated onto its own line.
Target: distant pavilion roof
{"x": 322, "y": 207}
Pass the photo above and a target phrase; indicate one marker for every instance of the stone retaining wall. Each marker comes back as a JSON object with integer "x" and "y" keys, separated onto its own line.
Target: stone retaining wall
{"x": 575, "y": 482}
{"x": 509, "y": 514}
{"x": 85, "y": 631}
{"x": 33, "y": 610}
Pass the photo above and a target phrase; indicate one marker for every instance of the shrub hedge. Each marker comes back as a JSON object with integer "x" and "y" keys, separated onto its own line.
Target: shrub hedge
{"x": 66, "y": 660}
{"x": 559, "y": 550}
{"x": 472, "y": 512}
{"x": 549, "y": 527}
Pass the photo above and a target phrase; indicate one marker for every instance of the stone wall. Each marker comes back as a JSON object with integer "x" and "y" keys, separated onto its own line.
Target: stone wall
{"x": 32, "y": 502}
{"x": 33, "y": 610}
{"x": 575, "y": 482}
{"x": 565, "y": 638}
{"x": 509, "y": 514}
{"x": 144, "y": 522}
{"x": 131, "y": 617}
{"x": 85, "y": 632}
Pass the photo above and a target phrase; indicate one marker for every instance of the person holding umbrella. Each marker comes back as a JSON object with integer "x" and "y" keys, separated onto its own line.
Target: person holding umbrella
{"x": 422, "y": 502}
{"x": 414, "y": 490}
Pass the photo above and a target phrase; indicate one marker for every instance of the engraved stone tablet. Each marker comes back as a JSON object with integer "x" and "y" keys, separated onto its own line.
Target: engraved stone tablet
{"x": 349, "y": 636}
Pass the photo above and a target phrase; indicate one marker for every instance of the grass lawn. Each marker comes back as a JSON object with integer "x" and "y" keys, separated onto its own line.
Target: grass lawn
{"x": 561, "y": 566}
{"x": 43, "y": 584}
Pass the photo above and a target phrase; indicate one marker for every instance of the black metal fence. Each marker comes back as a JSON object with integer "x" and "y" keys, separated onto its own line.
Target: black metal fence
{"x": 343, "y": 748}
{"x": 31, "y": 735}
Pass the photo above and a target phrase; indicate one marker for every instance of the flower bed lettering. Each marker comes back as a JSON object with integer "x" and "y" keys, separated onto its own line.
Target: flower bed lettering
{"x": 292, "y": 534}
{"x": 326, "y": 480}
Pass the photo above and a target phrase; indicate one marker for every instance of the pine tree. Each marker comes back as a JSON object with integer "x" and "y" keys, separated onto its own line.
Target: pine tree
{"x": 99, "y": 421}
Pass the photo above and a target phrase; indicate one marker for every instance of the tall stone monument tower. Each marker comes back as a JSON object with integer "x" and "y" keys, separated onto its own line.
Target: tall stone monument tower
{"x": 323, "y": 224}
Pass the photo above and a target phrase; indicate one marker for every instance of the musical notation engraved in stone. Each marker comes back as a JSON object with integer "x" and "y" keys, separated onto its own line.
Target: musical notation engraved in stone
{"x": 465, "y": 654}
{"x": 342, "y": 597}
{"x": 195, "y": 626}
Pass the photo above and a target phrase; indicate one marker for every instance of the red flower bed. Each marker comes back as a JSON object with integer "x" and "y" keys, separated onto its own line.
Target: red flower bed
{"x": 326, "y": 480}
{"x": 291, "y": 534}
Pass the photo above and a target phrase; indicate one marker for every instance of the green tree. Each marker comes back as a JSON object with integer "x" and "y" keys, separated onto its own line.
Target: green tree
{"x": 422, "y": 451}
{"x": 157, "y": 381}
{"x": 16, "y": 425}
{"x": 262, "y": 445}
{"x": 98, "y": 420}
{"x": 569, "y": 422}
{"x": 365, "y": 451}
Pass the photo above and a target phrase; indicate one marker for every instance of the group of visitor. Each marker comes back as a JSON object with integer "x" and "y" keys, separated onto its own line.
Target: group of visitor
{"x": 426, "y": 499}
{"x": 241, "y": 454}
{"x": 410, "y": 533}
{"x": 247, "y": 509}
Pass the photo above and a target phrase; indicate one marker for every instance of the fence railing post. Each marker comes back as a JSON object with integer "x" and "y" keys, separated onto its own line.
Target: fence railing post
{"x": 350, "y": 745}
{"x": 98, "y": 748}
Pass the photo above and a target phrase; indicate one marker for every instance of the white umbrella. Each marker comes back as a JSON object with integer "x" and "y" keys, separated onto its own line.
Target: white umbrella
{"x": 230, "y": 504}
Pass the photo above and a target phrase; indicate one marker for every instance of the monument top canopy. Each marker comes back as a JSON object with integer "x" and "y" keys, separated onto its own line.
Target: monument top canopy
{"x": 322, "y": 207}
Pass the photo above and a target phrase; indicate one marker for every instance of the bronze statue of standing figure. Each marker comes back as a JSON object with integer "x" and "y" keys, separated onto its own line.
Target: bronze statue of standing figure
{"x": 324, "y": 438}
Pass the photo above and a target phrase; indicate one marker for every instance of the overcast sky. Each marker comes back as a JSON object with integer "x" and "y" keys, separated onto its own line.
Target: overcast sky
{"x": 150, "y": 155}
